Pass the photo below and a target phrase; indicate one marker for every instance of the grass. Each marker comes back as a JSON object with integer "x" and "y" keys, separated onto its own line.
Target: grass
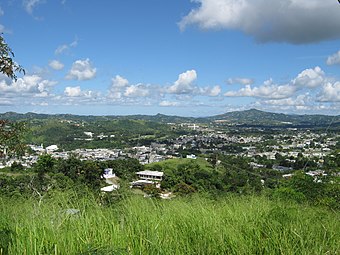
{"x": 195, "y": 225}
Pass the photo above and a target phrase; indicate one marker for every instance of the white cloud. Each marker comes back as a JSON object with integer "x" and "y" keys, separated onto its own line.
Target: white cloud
{"x": 73, "y": 91}
{"x": 118, "y": 85}
{"x": 56, "y": 65}
{"x": 330, "y": 92}
{"x": 268, "y": 90}
{"x": 293, "y": 21}
{"x": 310, "y": 78}
{"x": 183, "y": 85}
{"x": 119, "y": 82}
{"x": 215, "y": 91}
{"x": 300, "y": 100}
{"x": 66, "y": 47}
{"x": 27, "y": 86}
{"x": 138, "y": 90}
{"x": 1, "y": 12}
{"x": 209, "y": 91}
{"x": 29, "y": 5}
{"x": 242, "y": 81}
{"x": 168, "y": 103}
{"x": 334, "y": 59}
{"x": 81, "y": 70}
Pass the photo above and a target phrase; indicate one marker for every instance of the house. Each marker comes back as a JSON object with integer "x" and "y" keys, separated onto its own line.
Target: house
{"x": 108, "y": 173}
{"x": 192, "y": 156}
{"x": 281, "y": 168}
{"x": 110, "y": 188}
{"x": 150, "y": 175}
{"x": 52, "y": 148}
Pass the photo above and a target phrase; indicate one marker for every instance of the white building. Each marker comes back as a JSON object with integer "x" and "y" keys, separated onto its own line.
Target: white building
{"x": 150, "y": 175}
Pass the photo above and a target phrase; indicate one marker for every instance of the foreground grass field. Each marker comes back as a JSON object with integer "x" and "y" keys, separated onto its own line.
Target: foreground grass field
{"x": 136, "y": 225}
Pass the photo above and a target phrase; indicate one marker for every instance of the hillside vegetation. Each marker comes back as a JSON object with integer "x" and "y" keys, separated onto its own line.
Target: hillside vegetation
{"x": 193, "y": 225}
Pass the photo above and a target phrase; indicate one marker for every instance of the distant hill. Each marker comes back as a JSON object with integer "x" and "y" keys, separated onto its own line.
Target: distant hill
{"x": 156, "y": 118}
{"x": 252, "y": 117}
{"x": 257, "y": 117}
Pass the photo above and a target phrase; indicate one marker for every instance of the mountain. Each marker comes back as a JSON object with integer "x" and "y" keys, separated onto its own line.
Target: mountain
{"x": 252, "y": 117}
{"x": 257, "y": 117}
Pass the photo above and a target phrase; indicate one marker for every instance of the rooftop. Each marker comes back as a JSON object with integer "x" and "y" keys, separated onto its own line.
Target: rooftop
{"x": 152, "y": 173}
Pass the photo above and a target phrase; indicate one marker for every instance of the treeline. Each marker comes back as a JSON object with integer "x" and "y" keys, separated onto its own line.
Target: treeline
{"x": 62, "y": 174}
{"x": 217, "y": 176}
{"x": 232, "y": 174}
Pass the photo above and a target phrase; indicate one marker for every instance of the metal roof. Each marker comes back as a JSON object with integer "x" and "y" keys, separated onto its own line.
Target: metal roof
{"x": 151, "y": 173}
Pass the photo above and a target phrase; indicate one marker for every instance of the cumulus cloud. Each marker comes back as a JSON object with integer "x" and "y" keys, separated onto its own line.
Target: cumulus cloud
{"x": 184, "y": 83}
{"x": 118, "y": 85}
{"x": 28, "y": 85}
{"x": 330, "y": 92}
{"x": 293, "y": 21}
{"x": 119, "y": 82}
{"x": 242, "y": 81}
{"x": 73, "y": 91}
{"x": 334, "y": 59}
{"x": 309, "y": 78}
{"x": 81, "y": 70}
{"x": 138, "y": 90}
{"x": 56, "y": 65}
{"x": 121, "y": 89}
{"x": 267, "y": 90}
{"x": 209, "y": 91}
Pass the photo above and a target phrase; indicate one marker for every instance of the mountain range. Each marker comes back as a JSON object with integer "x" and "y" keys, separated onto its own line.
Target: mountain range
{"x": 252, "y": 117}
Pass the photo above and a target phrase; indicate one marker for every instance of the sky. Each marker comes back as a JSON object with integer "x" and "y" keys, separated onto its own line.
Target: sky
{"x": 175, "y": 57}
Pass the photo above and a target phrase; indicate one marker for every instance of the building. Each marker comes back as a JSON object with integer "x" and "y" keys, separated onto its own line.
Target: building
{"x": 150, "y": 175}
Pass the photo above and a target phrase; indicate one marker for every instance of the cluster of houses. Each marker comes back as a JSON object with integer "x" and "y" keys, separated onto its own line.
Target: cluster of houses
{"x": 145, "y": 178}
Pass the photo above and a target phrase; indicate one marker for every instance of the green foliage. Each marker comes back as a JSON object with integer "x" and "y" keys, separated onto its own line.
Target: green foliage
{"x": 191, "y": 225}
{"x": 125, "y": 168}
{"x": 7, "y": 65}
{"x": 315, "y": 190}
{"x": 91, "y": 174}
{"x": 11, "y": 138}
{"x": 151, "y": 190}
{"x": 17, "y": 167}
{"x": 183, "y": 189}
{"x": 69, "y": 134}
{"x": 45, "y": 164}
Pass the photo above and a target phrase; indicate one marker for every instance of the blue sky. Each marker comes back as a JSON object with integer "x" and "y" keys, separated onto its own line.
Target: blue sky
{"x": 178, "y": 57}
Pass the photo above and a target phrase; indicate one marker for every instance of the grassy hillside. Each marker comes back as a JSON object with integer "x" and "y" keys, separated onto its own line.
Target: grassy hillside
{"x": 135, "y": 225}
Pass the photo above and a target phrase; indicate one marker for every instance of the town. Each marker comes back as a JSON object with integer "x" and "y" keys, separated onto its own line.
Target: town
{"x": 277, "y": 148}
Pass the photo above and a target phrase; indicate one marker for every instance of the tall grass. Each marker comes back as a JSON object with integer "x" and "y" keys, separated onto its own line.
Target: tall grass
{"x": 196, "y": 225}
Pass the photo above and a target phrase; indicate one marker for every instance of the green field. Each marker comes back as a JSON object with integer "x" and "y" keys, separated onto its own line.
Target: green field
{"x": 192, "y": 225}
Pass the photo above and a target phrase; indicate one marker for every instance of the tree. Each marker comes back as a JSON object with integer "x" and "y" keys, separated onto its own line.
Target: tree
{"x": 10, "y": 133}
{"x": 45, "y": 164}
{"x": 11, "y": 137}
{"x": 7, "y": 65}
